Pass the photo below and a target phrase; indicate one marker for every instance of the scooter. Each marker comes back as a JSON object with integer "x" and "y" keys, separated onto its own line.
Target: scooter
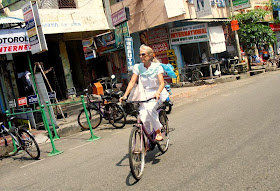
{"x": 168, "y": 103}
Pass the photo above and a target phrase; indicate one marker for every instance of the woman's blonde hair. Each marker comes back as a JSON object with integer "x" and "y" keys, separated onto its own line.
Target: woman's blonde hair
{"x": 149, "y": 51}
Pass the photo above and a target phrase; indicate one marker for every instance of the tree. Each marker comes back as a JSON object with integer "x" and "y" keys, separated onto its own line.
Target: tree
{"x": 252, "y": 31}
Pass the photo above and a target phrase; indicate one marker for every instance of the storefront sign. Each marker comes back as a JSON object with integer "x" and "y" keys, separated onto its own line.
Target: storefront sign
{"x": 32, "y": 99}
{"x": 33, "y": 27}
{"x": 22, "y": 101}
{"x": 128, "y": 41}
{"x": 105, "y": 42}
{"x": 12, "y": 104}
{"x": 172, "y": 59}
{"x": 88, "y": 47}
{"x": 202, "y": 8}
{"x": 119, "y": 17}
{"x": 240, "y": 4}
{"x": 154, "y": 36}
{"x": 160, "y": 48}
{"x": 52, "y": 95}
{"x": 189, "y": 34}
{"x": 157, "y": 35}
{"x": 275, "y": 27}
{"x": 13, "y": 40}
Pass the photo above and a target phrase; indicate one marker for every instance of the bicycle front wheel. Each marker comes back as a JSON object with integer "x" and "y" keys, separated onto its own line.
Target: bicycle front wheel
{"x": 163, "y": 145}
{"x": 29, "y": 143}
{"x": 136, "y": 153}
{"x": 94, "y": 118}
{"x": 117, "y": 116}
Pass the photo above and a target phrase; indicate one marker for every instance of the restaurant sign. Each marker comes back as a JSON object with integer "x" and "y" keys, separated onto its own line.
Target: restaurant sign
{"x": 189, "y": 34}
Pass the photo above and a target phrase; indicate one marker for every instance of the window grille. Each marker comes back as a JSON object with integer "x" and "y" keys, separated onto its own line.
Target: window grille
{"x": 56, "y": 4}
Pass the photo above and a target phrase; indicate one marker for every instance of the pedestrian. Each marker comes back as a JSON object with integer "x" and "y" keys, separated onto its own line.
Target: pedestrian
{"x": 150, "y": 74}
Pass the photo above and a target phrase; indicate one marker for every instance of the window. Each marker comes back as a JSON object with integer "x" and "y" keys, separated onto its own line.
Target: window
{"x": 66, "y": 4}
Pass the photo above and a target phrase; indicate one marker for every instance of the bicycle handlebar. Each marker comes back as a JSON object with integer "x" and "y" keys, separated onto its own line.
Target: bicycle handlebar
{"x": 142, "y": 101}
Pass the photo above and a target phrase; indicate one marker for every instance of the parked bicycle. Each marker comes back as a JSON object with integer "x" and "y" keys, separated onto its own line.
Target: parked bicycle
{"x": 192, "y": 74}
{"x": 24, "y": 140}
{"x": 102, "y": 109}
{"x": 140, "y": 141}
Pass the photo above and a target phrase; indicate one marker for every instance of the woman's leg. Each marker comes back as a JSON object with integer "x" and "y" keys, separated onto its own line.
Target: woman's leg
{"x": 149, "y": 116}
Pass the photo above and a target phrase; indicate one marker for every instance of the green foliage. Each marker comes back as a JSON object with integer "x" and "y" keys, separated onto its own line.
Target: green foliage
{"x": 251, "y": 31}
{"x": 256, "y": 34}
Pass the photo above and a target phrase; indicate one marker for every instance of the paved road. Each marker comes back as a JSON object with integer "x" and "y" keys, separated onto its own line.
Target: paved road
{"x": 225, "y": 137}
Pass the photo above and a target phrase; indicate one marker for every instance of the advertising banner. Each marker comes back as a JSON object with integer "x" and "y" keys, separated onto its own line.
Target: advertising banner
{"x": 33, "y": 27}
{"x": 160, "y": 48}
{"x": 121, "y": 31}
{"x": 189, "y": 34}
{"x": 13, "y": 40}
{"x": 128, "y": 41}
{"x": 240, "y": 4}
{"x": 154, "y": 36}
{"x": 105, "y": 42}
{"x": 202, "y": 8}
{"x": 88, "y": 47}
{"x": 172, "y": 59}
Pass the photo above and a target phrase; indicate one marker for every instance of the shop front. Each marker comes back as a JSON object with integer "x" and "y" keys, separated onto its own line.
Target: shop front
{"x": 198, "y": 43}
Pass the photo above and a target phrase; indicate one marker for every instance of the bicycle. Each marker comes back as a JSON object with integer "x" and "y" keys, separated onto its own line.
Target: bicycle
{"x": 99, "y": 109}
{"x": 24, "y": 140}
{"x": 192, "y": 74}
{"x": 140, "y": 141}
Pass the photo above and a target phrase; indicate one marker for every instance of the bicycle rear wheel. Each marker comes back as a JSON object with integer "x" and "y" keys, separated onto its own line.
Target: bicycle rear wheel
{"x": 117, "y": 116}
{"x": 136, "y": 151}
{"x": 94, "y": 117}
{"x": 29, "y": 143}
{"x": 197, "y": 77}
{"x": 164, "y": 144}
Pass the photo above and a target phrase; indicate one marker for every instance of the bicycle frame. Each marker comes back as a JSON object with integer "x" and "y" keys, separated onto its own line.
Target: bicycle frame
{"x": 5, "y": 130}
{"x": 144, "y": 131}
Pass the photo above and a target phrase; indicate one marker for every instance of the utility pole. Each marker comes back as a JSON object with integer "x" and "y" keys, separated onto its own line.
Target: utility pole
{"x": 236, "y": 34}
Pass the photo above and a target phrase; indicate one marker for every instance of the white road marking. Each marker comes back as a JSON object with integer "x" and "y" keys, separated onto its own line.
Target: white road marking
{"x": 32, "y": 163}
{"x": 79, "y": 146}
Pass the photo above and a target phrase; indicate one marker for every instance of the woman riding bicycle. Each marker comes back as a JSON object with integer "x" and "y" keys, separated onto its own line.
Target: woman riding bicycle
{"x": 150, "y": 72}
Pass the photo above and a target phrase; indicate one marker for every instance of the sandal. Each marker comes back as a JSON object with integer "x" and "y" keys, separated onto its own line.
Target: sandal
{"x": 159, "y": 137}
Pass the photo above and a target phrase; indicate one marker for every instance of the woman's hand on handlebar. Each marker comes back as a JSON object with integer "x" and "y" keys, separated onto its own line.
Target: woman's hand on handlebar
{"x": 157, "y": 95}
{"x": 123, "y": 98}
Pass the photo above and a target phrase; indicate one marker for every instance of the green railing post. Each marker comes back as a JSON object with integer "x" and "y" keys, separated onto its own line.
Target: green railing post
{"x": 10, "y": 126}
{"x": 93, "y": 137}
{"x": 54, "y": 151}
{"x": 53, "y": 125}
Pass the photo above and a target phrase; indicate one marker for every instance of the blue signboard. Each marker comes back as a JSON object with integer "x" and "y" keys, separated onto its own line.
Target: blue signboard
{"x": 32, "y": 99}
{"x": 128, "y": 41}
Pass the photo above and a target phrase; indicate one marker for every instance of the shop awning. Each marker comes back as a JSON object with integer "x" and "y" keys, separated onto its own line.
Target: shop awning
{"x": 10, "y": 20}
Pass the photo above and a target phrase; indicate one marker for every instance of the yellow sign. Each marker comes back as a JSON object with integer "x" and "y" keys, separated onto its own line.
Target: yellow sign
{"x": 172, "y": 59}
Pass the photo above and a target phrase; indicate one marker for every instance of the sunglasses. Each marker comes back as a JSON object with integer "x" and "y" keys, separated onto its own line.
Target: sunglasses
{"x": 143, "y": 54}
